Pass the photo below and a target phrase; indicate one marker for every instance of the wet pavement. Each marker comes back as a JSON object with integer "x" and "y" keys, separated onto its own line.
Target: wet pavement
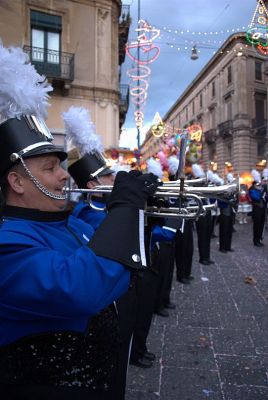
{"x": 214, "y": 346}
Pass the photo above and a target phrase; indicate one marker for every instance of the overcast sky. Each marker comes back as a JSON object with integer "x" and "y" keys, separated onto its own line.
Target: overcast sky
{"x": 174, "y": 70}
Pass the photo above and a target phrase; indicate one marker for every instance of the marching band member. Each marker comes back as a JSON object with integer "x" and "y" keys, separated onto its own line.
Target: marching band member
{"x": 89, "y": 171}
{"x": 203, "y": 226}
{"x": 258, "y": 195}
{"x": 59, "y": 335}
{"x": 226, "y": 222}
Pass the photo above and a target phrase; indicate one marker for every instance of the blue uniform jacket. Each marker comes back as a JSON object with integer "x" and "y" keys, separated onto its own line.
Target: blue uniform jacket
{"x": 49, "y": 279}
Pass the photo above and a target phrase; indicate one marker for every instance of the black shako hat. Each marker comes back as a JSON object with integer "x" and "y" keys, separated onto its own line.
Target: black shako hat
{"x": 26, "y": 136}
{"x": 87, "y": 168}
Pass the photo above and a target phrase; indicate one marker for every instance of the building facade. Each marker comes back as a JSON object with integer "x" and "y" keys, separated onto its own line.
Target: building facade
{"x": 228, "y": 99}
{"x": 75, "y": 44}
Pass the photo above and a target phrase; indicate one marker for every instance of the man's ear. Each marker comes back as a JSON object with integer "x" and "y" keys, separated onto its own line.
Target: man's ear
{"x": 15, "y": 181}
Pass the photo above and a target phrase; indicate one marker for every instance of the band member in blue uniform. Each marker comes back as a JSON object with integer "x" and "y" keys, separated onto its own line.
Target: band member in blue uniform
{"x": 59, "y": 278}
{"x": 258, "y": 195}
{"x": 88, "y": 171}
{"x": 203, "y": 226}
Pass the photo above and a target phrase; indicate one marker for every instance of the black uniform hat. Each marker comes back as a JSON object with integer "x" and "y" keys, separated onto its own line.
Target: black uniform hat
{"x": 88, "y": 168}
{"x": 81, "y": 132}
{"x": 23, "y": 107}
{"x": 26, "y": 136}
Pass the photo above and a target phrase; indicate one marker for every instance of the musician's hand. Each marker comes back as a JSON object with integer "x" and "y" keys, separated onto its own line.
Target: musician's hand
{"x": 132, "y": 190}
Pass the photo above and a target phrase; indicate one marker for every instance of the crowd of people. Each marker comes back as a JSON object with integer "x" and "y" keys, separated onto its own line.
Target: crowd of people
{"x": 80, "y": 281}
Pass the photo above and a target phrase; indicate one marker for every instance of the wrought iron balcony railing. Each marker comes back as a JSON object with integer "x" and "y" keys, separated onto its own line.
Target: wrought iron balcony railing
{"x": 124, "y": 97}
{"x": 125, "y": 15}
{"x": 210, "y": 136}
{"x": 226, "y": 128}
{"x": 53, "y": 64}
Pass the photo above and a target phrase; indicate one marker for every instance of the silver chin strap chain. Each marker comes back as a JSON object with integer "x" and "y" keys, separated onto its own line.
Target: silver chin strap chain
{"x": 40, "y": 186}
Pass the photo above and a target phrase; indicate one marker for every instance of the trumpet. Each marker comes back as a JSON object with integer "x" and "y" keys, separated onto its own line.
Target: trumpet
{"x": 190, "y": 204}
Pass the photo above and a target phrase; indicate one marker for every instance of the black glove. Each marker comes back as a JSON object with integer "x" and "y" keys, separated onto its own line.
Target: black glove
{"x": 132, "y": 189}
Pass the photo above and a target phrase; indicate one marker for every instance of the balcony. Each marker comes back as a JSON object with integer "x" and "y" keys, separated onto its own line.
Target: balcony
{"x": 123, "y": 102}
{"x": 259, "y": 126}
{"x": 56, "y": 65}
{"x": 226, "y": 128}
{"x": 123, "y": 31}
{"x": 210, "y": 136}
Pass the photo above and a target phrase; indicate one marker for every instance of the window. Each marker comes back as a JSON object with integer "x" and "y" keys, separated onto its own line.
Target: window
{"x": 213, "y": 118}
{"x": 201, "y": 100}
{"x": 229, "y": 110}
{"x": 186, "y": 113}
{"x": 193, "y": 107}
{"x": 258, "y": 71}
{"x": 261, "y": 147}
{"x": 229, "y": 75}
{"x": 213, "y": 92}
{"x": 45, "y": 37}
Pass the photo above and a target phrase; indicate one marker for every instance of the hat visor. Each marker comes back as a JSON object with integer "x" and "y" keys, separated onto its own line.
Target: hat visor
{"x": 42, "y": 150}
{"x": 106, "y": 171}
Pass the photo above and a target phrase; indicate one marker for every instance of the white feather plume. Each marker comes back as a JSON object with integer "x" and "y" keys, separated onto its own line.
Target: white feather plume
{"x": 256, "y": 175}
{"x": 22, "y": 89}
{"x": 173, "y": 165}
{"x": 154, "y": 167}
{"x": 198, "y": 171}
{"x": 80, "y": 130}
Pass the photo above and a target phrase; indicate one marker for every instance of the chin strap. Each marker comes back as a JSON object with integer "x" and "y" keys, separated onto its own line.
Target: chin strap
{"x": 40, "y": 186}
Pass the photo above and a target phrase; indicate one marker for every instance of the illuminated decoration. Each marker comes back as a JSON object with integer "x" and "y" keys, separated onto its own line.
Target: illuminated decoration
{"x": 195, "y": 133}
{"x": 158, "y": 128}
{"x": 142, "y": 52}
{"x": 257, "y": 34}
{"x": 148, "y": 51}
{"x": 245, "y": 178}
{"x": 200, "y": 33}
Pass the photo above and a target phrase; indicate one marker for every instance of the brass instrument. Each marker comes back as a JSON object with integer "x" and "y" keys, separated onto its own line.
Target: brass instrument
{"x": 172, "y": 190}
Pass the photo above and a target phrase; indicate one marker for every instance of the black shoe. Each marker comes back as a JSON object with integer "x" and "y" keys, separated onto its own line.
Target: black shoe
{"x": 258, "y": 244}
{"x": 204, "y": 262}
{"x": 170, "y": 306}
{"x": 213, "y": 236}
{"x": 223, "y": 251}
{"x": 162, "y": 313}
{"x": 149, "y": 356}
{"x": 190, "y": 278}
{"x": 230, "y": 250}
{"x": 211, "y": 261}
{"x": 185, "y": 281}
{"x": 141, "y": 362}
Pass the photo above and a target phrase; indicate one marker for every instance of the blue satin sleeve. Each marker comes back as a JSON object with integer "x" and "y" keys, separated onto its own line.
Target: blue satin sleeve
{"x": 93, "y": 217}
{"x": 37, "y": 282}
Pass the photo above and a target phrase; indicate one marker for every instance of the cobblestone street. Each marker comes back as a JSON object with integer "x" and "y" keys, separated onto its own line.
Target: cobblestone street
{"x": 214, "y": 345}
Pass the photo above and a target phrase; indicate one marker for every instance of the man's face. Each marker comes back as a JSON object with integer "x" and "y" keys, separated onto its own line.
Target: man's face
{"x": 48, "y": 171}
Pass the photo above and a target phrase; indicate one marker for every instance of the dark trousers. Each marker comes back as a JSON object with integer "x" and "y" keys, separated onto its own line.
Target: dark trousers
{"x": 127, "y": 311}
{"x": 203, "y": 229}
{"x": 43, "y": 392}
{"x": 258, "y": 217}
{"x": 184, "y": 249}
{"x": 146, "y": 292}
{"x": 225, "y": 231}
{"x": 166, "y": 269}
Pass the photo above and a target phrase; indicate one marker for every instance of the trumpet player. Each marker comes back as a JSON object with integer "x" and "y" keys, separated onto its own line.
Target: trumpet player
{"x": 59, "y": 277}
{"x": 203, "y": 226}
